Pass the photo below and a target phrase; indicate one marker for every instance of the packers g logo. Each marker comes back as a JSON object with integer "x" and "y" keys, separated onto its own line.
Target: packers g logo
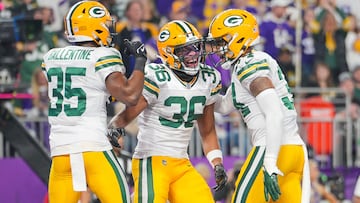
{"x": 233, "y": 21}
{"x": 97, "y": 12}
{"x": 164, "y": 35}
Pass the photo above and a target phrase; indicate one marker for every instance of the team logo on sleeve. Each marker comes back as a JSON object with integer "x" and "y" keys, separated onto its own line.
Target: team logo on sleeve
{"x": 233, "y": 21}
{"x": 97, "y": 12}
{"x": 164, "y": 35}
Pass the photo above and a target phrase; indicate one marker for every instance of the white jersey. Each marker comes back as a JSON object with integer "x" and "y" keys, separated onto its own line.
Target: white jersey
{"x": 166, "y": 125}
{"x": 246, "y": 69}
{"x": 77, "y": 91}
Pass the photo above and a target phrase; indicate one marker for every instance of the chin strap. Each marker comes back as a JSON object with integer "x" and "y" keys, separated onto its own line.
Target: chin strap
{"x": 183, "y": 76}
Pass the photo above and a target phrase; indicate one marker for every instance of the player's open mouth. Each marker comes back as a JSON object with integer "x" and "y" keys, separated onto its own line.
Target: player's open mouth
{"x": 191, "y": 63}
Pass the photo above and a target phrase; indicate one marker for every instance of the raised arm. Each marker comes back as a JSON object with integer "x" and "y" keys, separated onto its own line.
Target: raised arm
{"x": 125, "y": 90}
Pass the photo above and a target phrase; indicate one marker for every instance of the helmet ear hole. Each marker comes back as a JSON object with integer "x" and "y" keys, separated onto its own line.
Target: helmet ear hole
{"x": 241, "y": 40}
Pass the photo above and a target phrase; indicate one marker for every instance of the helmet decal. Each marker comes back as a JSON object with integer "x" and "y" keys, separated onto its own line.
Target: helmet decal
{"x": 164, "y": 35}
{"x": 187, "y": 30}
{"x": 97, "y": 12}
{"x": 238, "y": 28}
{"x": 233, "y": 21}
{"x": 68, "y": 19}
{"x": 88, "y": 21}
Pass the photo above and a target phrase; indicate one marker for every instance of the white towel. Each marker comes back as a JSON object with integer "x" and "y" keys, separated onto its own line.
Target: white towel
{"x": 78, "y": 172}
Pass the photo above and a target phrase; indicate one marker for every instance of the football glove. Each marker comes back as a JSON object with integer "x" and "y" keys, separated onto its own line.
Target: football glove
{"x": 114, "y": 134}
{"x": 135, "y": 48}
{"x": 271, "y": 186}
{"x": 220, "y": 177}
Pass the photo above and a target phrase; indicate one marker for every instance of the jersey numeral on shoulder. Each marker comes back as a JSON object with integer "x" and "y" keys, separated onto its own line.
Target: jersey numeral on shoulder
{"x": 160, "y": 73}
{"x": 208, "y": 74}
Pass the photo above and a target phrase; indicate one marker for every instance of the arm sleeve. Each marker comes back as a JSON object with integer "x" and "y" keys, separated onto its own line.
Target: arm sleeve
{"x": 270, "y": 105}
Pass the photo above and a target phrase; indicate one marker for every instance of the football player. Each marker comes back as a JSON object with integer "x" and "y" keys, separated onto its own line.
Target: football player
{"x": 277, "y": 165}
{"x": 178, "y": 94}
{"x": 80, "y": 79}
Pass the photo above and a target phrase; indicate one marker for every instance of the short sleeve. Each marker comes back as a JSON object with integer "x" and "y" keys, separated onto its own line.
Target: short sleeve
{"x": 151, "y": 87}
{"x": 109, "y": 61}
{"x": 213, "y": 78}
{"x": 251, "y": 71}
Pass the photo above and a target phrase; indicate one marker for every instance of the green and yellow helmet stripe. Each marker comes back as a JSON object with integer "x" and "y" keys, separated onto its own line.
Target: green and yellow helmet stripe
{"x": 68, "y": 18}
{"x": 107, "y": 61}
{"x": 184, "y": 26}
{"x": 251, "y": 69}
{"x": 151, "y": 87}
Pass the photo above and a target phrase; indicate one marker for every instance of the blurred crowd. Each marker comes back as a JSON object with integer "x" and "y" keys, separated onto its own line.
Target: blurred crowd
{"x": 312, "y": 52}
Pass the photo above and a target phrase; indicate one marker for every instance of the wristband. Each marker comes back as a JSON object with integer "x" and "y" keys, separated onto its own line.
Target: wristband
{"x": 140, "y": 63}
{"x": 213, "y": 154}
